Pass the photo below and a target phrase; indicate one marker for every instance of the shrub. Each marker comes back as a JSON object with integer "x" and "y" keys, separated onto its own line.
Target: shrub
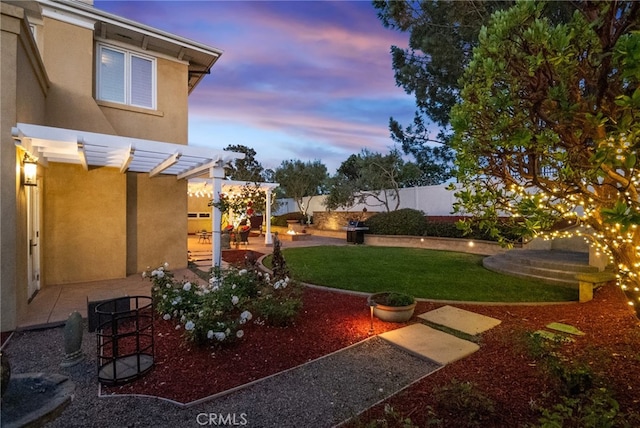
{"x": 401, "y": 222}
{"x": 467, "y": 399}
{"x": 444, "y": 229}
{"x": 393, "y": 299}
{"x": 594, "y": 408}
{"x": 279, "y": 305}
{"x": 216, "y": 311}
{"x": 281, "y": 220}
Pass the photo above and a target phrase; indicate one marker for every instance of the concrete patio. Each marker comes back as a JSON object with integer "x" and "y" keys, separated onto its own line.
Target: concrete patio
{"x": 53, "y": 304}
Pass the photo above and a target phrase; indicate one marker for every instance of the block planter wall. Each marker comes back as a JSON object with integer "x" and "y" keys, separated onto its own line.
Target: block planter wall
{"x": 336, "y": 220}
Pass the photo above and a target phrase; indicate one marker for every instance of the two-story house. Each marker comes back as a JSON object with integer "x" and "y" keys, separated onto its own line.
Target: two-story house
{"x": 94, "y": 154}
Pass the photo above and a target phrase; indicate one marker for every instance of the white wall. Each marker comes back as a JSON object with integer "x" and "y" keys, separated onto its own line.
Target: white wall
{"x": 432, "y": 200}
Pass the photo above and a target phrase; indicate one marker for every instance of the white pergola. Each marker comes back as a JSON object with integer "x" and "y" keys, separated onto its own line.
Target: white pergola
{"x": 211, "y": 188}
{"x": 89, "y": 149}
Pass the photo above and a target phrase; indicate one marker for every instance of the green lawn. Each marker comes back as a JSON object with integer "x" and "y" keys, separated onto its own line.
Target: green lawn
{"x": 422, "y": 273}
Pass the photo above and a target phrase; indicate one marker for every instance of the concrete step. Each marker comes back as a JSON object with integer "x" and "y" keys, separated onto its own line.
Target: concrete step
{"x": 429, "y": 343}
{"x": 551, "y": 267}
{"x": 553, "y": 260}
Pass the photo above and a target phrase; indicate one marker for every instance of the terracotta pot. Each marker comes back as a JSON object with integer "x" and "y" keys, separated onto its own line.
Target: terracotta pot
{"x": 391, "y": 313}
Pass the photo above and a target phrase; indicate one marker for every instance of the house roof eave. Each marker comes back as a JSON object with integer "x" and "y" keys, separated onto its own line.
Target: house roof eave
{"x": 200, "y": 57}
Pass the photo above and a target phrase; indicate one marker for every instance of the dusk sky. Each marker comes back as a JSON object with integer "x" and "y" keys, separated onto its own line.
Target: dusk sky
{"x": 297, "y": 80}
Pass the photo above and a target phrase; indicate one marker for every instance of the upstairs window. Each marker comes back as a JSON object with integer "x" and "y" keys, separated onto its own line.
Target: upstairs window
{"x": 126, "y": 77}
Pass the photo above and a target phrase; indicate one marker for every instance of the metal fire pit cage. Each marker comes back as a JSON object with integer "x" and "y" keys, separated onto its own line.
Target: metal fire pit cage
{"x": 355, "y": 232}
{"x": 125, "y": 339}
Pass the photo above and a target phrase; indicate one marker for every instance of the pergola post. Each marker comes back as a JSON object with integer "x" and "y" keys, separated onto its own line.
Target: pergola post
{"x": 267, "y": 236}
{"x": 216, "y": 173}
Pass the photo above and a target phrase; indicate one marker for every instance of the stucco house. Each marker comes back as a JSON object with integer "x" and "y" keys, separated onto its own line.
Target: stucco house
{"x": 96, "y": 106}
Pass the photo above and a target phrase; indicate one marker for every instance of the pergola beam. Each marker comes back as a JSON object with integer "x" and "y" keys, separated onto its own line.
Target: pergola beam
{"x": 165, "y": 164}
{"x": 198, "y": 170}
{"x": 82, "y": 155}
{"x": 127, "y": 159}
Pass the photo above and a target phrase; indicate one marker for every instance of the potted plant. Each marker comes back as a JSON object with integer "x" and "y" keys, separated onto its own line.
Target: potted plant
{"x": 392, "y": 307}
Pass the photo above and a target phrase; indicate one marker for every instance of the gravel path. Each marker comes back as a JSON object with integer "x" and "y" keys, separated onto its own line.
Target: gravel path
{"x": 318, "y": 394}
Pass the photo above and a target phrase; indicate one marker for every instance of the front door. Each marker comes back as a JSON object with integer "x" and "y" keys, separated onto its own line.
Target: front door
{"x": 33, "y": 236}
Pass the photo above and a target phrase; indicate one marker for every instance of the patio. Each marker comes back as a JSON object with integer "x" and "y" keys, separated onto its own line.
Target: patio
{"x": 53, "y": 304}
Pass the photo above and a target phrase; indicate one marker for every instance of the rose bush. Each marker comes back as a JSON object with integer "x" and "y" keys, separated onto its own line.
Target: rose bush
{"x": 217, "y": 311}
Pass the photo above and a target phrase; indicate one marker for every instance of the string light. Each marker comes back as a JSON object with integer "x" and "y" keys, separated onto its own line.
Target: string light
{"x": 582, "y": 208}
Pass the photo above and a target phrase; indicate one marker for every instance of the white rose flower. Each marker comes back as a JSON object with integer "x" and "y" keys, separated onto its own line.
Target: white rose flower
{"x": 186, "y": 286}
{"x": 235, "y": 300}
{"x": 160, "y": 274}
{"x": 190, "y": 325}
{"x": 220, "y": 335}
{"x": 242, "y": 272}
{"x": 168, "y": 285}
{"x": 210, "y": 334}
{"x": 233, "y": 287}
{"x": 166, "y": 317}
{"x": 183, "y": 318}
{"x": 246, "y": 315}
{"x": 239, "y": 333}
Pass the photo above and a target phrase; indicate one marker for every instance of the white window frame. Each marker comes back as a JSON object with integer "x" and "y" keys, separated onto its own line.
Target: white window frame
{"x": 128, "y": 55}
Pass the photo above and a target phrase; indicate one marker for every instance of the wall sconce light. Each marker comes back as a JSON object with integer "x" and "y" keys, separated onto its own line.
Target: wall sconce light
{"x": 29, "y": 171}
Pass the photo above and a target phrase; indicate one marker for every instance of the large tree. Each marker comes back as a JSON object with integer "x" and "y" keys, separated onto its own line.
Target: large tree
{"x": 371, "y": 176}
{"x": 442, "y": 35}
{"x": 246, "y": 169}
{"x": 548, "y": 127}
{"x": 300, "y": 179}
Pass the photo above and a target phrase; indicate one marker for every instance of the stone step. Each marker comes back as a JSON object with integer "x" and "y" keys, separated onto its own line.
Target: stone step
{"x": 429, "y": 343}
{"x": 551, "y": 267}
{"x": 553, "y": 260}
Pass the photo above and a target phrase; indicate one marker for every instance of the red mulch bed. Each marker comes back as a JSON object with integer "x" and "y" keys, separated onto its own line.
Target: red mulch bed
{"x": 514, "y": 380}
{"x": 185, "y": 372}
{"x": 501, "y": 369}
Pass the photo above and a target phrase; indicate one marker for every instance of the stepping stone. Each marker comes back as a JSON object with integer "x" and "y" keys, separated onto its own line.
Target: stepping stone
{"x": 460, "y": 320}
{"x": 429, "y": 343}
{"x": 553, "y": 336}
{"x": 565, "y": 328}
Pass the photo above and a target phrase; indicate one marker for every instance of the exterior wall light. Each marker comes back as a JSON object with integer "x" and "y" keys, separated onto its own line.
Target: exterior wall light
{"x": 30, "y": 172}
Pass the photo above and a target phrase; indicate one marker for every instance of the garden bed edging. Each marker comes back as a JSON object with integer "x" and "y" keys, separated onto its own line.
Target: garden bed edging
{"x": 484, "y": 248}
